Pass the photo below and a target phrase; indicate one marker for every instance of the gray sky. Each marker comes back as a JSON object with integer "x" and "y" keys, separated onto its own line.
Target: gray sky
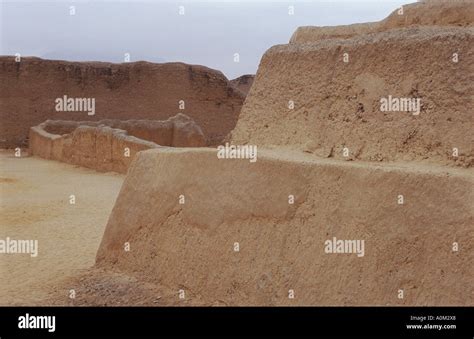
{"x": 208, "y": 34}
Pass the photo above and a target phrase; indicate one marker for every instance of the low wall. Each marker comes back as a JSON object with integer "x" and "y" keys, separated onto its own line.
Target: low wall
{"x": 100, "y": 148}
{"x": 110, "y": 145}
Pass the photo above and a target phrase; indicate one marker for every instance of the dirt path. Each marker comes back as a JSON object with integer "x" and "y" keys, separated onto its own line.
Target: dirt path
{"x": 35, "y": 205}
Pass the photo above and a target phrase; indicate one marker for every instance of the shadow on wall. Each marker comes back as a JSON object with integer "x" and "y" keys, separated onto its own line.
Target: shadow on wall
{"x": 110, "y": 145}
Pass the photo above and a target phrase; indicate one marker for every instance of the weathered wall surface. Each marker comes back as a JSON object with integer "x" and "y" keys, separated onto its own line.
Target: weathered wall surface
{"x": 191, "y": 246}
{"x": 138, "y": 90}
{"x": 102, "y": 145}
{"x": 424, "y": 13}
{"x": 100, "y": 148}
{"x": 407, "y": 246}
{"x": 337, "y": 103}
{"x": 177, "y": 131}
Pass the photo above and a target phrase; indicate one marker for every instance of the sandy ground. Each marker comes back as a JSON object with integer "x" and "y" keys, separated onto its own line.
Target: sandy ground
{"x": 34, "y": 204}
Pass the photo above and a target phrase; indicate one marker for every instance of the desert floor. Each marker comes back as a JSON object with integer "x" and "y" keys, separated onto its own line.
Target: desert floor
{"x": 35, "y": 204}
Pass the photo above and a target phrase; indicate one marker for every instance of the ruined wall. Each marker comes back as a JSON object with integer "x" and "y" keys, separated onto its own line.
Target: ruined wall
{"x": 457, "y": 13}
{"x": 138, "y": 90}
{"x": 337, "y": 103}
{"x": 243, "y": 83}
{"x": 408, "y": 245}
{"x": 102, "y": 145}
{"x": 190, "y": 246}
{"x": 177, "y": 131}
{"x": 100, "y": 148}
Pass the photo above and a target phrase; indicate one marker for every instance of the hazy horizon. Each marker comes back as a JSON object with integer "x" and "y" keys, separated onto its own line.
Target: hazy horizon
{"x": 209, "y": 33}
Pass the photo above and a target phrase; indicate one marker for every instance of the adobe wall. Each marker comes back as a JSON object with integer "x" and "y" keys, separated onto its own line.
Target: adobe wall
{"x": 457, "y": 13}
{"x": 408, "y": 245}
{"x": 337, "y": 104}
{"x": 243, "y": 83}
{"x": 137, "y": 90}
{"x": 110, "y": 145}
{"x": 99, "y": 148}
{"x": 190, "y": 246}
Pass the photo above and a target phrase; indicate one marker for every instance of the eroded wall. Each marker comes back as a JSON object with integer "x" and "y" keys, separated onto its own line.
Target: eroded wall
{"x": 137, "y": 90}
{"x": 322, "y": 94}
{"x": 458, "y": 13}
{"x": 190, "y": 246}
{"x": 282, "y": 245}
{"x": 110, "y": 145}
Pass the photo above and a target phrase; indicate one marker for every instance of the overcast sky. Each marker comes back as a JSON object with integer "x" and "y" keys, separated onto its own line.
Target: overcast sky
{"x": 209, "y": 33}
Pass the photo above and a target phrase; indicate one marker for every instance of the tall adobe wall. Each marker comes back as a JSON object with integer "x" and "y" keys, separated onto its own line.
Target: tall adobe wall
{"x": 337, "y": 108}
{"x": 424, "y": 13}
{"x": 138, "y": 90}
{"x": 410, "y": 215}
